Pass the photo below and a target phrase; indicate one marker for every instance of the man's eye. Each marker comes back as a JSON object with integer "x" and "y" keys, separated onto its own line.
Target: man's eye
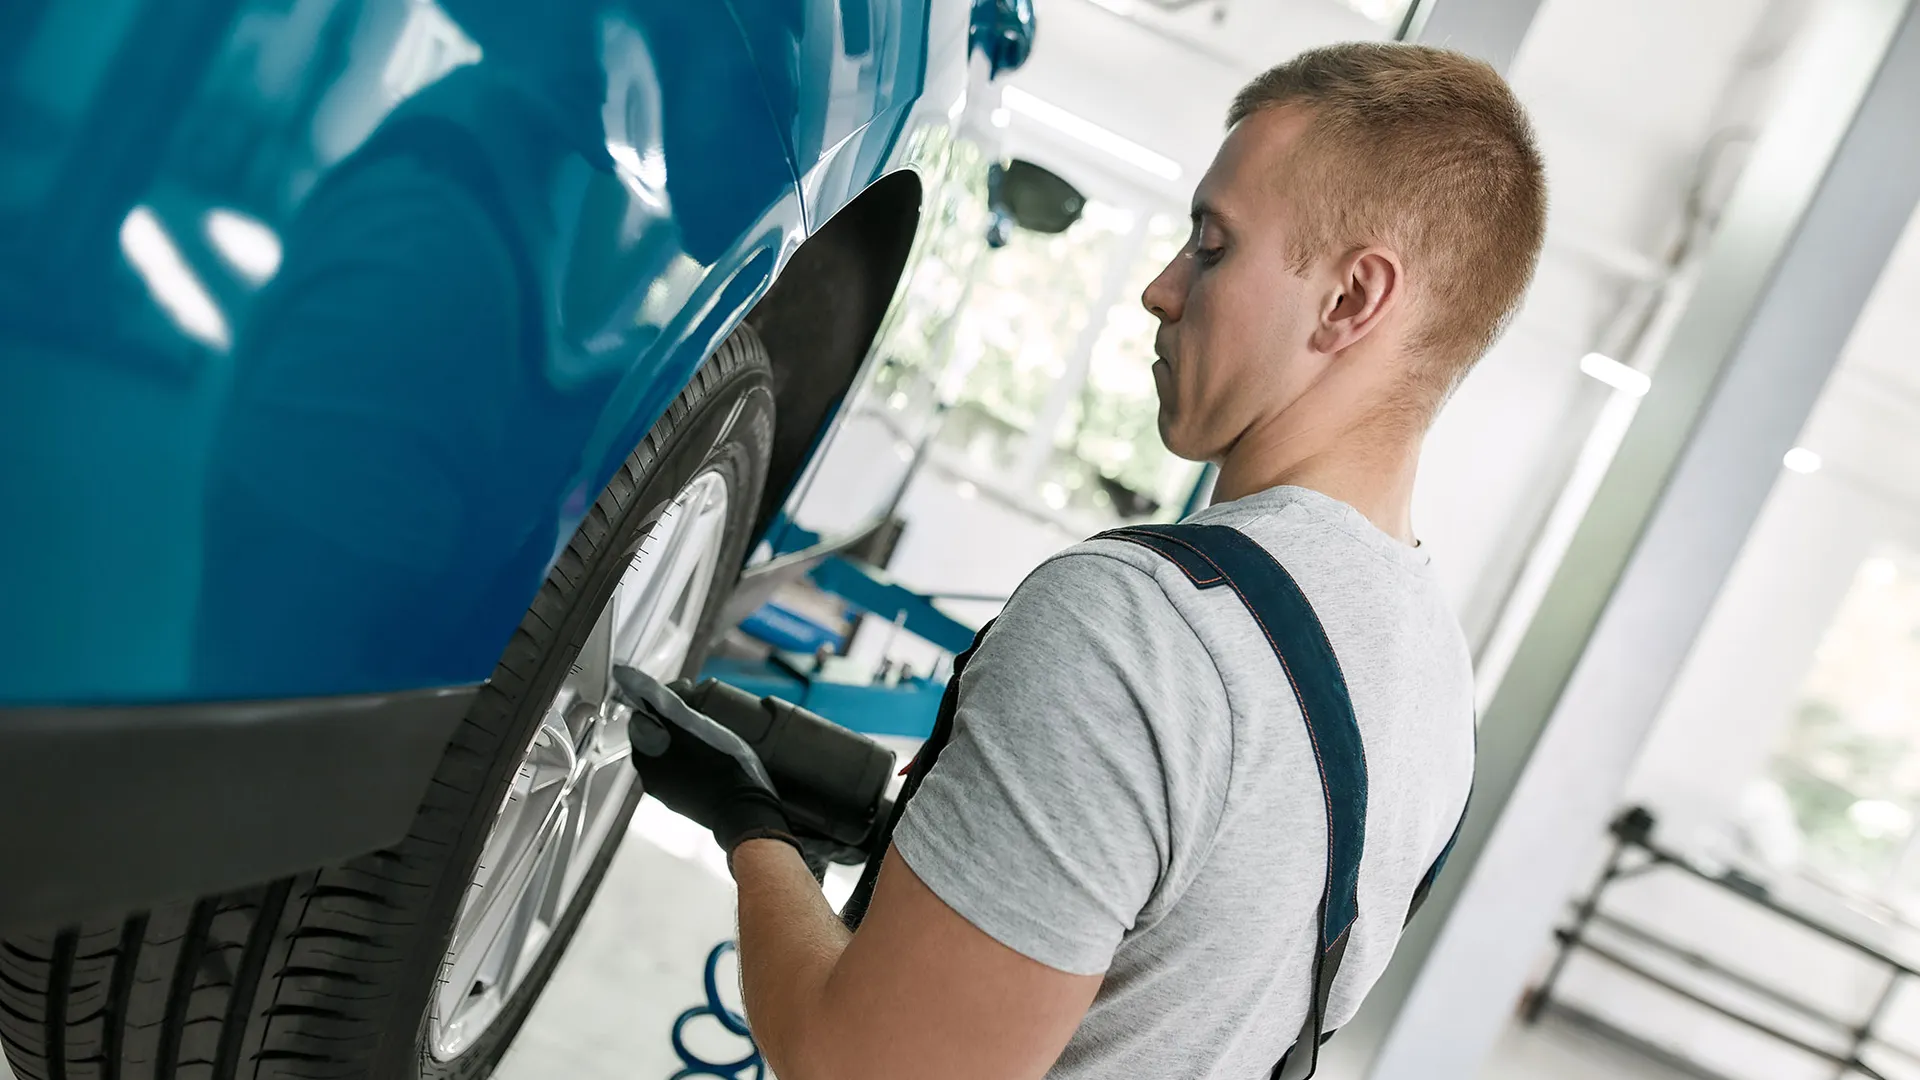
{"x": 1208, "y": 256}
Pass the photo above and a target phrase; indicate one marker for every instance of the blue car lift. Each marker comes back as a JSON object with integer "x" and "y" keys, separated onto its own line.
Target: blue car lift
{"x": 801, "y": 669}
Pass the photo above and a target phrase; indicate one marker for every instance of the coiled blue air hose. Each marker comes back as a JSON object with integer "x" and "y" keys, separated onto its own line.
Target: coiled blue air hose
{"x": 695, "y": 1065}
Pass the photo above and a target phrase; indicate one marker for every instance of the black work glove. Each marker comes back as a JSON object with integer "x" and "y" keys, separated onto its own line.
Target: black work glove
{"x": 698, "y": 767}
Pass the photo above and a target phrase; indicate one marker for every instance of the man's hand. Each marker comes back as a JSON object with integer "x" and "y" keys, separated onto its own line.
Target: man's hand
{"x": 919, "y": 991}
{"x": 698, "y": 768}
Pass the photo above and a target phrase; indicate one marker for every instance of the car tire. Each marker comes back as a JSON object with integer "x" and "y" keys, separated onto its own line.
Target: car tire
{"x": 340, "y": 972}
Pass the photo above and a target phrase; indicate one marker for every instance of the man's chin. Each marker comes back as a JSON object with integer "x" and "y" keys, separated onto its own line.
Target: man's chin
{"x": 1170, "y": 436}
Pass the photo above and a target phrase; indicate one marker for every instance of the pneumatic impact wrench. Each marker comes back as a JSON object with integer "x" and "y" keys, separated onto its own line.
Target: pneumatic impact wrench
{"x": 831, "y": 782}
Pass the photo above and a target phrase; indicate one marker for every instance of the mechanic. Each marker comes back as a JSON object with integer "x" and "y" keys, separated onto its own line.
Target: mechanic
{"x": 1116, "y": 865}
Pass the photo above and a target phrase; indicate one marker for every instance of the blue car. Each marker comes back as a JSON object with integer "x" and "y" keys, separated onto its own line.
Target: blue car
{"x": 375, "y": 374}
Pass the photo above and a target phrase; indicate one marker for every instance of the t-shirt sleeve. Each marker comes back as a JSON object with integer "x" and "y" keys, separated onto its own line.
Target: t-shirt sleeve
{"x": 1050, "y": 819}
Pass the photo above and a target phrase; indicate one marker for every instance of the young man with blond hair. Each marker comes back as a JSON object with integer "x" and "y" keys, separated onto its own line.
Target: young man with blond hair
{"x": 1116, "y": 867}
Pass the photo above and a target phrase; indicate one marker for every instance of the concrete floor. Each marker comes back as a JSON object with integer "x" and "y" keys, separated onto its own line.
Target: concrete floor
{"x": 639, "y": 956}
{"x": 1558, "y": 1050}
{"x": 636, "y": 963}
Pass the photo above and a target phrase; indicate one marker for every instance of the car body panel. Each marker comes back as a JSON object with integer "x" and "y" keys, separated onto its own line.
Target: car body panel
{"x": 322, "y": 323}
{"x": 272, "y": 423}
{"x": 840, "y": 76}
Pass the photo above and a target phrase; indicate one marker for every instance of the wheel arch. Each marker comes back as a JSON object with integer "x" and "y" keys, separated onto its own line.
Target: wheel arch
{"x": 822, "y": 315}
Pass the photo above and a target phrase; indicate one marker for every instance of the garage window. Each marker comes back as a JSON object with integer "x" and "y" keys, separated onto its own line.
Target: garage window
{"x": 1030, "y": 366}
{"x": 1850, "y": 764}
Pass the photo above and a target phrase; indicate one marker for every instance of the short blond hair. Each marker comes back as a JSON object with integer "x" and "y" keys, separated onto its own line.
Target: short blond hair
{"x": 1427, "y": 151}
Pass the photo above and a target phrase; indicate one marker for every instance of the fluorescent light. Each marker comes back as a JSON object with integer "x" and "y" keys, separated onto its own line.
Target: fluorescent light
{"x": 1090, "y": 133}
{"x": 1801, "y": 460}
{"x": 1000, "y": 117}
{"x": 1616, "y": 374}
{"x": 1380, "y": 11}
{"x": 156, "y": 258}
{"x": 248, "y": 245}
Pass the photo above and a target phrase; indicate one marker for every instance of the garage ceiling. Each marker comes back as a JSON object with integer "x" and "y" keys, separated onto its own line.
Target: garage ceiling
{"x": 1161, "y": 79}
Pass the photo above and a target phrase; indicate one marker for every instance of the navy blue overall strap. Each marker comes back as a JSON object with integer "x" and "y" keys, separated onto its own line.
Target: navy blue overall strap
{"x": 1212, "y": 556}
{"x": 1433, "y": 872}
{"x": 855, "y": 909}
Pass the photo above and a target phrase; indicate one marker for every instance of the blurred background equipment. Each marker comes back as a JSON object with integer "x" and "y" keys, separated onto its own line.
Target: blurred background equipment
{"x": 1024, "y": 194}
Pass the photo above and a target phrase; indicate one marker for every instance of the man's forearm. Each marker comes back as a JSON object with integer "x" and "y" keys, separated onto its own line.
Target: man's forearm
{"x": 790, "y": 942}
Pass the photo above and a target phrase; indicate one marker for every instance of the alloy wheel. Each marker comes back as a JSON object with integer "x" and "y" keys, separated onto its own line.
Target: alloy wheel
{"x": 574, "y": 777}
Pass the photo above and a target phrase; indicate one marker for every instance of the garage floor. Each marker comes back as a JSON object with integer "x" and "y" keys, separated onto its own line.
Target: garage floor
{"x": 637, "y": 963}
{"x": 1559, "y": 1050}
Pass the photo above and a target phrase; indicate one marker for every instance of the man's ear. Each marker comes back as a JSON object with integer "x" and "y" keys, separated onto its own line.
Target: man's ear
{"x": 1367, "y": 289}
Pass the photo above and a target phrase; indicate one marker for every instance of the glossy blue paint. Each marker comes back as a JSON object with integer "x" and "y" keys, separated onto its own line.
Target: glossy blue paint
{"x": 323, "y": 321}
{"x": 839, "y": 75}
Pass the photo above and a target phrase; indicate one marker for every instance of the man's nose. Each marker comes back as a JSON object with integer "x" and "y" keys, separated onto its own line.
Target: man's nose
{"x": 1162, "y": 297}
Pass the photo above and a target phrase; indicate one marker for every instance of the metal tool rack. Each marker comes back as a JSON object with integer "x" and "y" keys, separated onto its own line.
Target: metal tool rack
{"x": 1636, "y": 853}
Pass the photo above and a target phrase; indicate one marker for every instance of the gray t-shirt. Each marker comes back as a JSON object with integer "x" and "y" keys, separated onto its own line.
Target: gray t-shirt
{"x": 1130, "y": 788}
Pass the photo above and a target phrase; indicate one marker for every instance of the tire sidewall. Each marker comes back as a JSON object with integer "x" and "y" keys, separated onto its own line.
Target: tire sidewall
{"x": 729, "y": 430}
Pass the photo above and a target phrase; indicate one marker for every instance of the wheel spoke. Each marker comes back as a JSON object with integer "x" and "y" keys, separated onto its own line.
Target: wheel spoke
{"x": 531, "y": 923}
{"x": 634, "y": 612}
{"x": 483, "y": 958}
{"x": 591, "y": 679}
{"x": 655, "y": 631}
{"x": 549, "y": 900}
{"x": 668, "y": 649}
{"x": 605, "y": 779}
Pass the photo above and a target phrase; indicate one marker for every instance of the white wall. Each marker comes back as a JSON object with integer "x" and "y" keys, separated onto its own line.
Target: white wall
{"x": 1624, "y": 96}
{"x": 1732, "y": 701}
{"x": 1734, "y": 698}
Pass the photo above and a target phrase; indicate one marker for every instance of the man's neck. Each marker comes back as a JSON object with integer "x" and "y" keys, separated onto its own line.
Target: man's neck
{"x": 1370, "y": 468}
